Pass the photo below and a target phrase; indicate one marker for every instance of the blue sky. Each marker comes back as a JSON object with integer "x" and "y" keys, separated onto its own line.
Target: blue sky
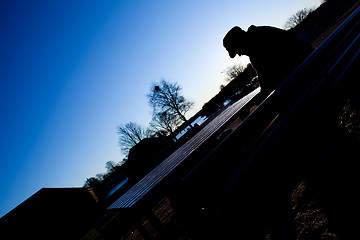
{"x": 72, "y": 71}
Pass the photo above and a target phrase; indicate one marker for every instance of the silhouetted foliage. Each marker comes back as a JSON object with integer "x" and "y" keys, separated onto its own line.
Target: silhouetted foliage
{"x": 234, "y": 71}
{"x": 131, "y": 134}
{"x": 238, "y": 87}
{"x": 297, "y": 18}
{"x": 92, "y": 182}
{"x": 165, "y": 98}
{"x": 164, "y": 123}
{"x": 111, "y": 165}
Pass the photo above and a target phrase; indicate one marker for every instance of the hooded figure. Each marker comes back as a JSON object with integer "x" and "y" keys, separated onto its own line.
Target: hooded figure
{"x": 274, "y": 53}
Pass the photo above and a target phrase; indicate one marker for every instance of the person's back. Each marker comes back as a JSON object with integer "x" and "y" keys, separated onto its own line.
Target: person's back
{"x": 274, "y": 53}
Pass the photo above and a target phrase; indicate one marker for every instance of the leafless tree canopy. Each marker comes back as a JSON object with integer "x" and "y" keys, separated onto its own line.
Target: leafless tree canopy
{"x": 166, "y": 99}
{"x": 234, "y": 71}
{"x": 165, "y": 123}
{"x": 297, "y": 18}
{"x": 130, "y": 134}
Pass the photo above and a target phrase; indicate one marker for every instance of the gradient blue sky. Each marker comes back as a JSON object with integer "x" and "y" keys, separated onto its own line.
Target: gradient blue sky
{"x": 72, "y": 71}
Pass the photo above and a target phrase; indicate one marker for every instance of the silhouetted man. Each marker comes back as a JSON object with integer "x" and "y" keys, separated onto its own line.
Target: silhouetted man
{"x": 274, "y": 53}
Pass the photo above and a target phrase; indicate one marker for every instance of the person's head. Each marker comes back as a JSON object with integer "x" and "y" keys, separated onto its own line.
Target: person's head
{"x": 235, "y": 41}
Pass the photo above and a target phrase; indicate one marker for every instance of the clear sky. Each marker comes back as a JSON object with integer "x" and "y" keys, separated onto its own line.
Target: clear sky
{"x": 72, "y": 71}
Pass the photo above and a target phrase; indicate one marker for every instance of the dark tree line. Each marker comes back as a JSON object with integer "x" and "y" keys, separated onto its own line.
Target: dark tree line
{"x": 298, "y": 18}
{"x": 240, "y": 78}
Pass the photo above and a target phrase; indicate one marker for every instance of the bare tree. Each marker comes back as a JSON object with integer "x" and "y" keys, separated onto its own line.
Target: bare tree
{"x": 297, "y": 18}
{"x": 131, "y": 134}
{"x": 164, "y": 123}
{"x": 92, "y": 182}
{"x": 110, "y": 166}
{"x": 234, "y": 71}
{"x": 166, "y": 98}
